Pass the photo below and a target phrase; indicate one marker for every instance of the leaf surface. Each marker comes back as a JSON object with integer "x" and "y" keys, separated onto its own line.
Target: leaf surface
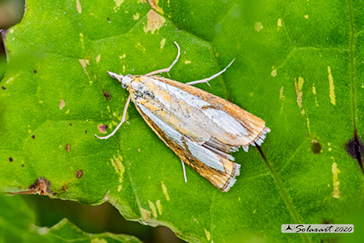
{"x": 296, "y": 67}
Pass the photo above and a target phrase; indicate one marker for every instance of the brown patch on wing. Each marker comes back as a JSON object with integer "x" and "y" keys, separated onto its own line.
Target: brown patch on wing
{"x": 252, "y": 123}
{"x": 218, "y": 178}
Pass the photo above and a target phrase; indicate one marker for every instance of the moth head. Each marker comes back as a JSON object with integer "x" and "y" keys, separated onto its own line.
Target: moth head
{"x": 124, "y": 80}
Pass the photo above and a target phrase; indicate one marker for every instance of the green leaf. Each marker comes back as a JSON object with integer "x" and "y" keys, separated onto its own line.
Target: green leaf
{"x": 297, "y": 66}
{"x": 17, "y": 225}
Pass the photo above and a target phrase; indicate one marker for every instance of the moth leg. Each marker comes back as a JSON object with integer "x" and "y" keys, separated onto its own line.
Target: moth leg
{"x": 166, "y": 70}
{"x": 206, "y": 80}
{"x": 184, "y": 171}
{"x": 122, "y": 120}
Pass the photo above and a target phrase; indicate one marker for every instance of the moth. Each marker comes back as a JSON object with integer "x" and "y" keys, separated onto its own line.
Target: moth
{"x": 201, "y": 128}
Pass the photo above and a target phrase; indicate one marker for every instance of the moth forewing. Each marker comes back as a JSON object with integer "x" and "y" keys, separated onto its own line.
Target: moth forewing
{"x": 223, "y": 178}
{"x": 201, "y": 115}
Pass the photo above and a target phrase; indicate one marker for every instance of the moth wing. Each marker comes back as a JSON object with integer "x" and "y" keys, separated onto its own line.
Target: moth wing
{"x": 215, "y": 165}
{"x": 254, "y": 125}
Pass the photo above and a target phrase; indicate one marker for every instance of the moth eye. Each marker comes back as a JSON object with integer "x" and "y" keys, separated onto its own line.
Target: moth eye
{"x": 123, "y": 85}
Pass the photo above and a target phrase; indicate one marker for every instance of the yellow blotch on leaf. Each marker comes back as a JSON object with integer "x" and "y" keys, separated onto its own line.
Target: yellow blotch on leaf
{"x": 159, "y": 206}
{"x": 118, "y": 3}
{"x": 155, "y": 6}
{"x": 153, "y": 208}
{"x": 274, "y": 73}
{"x": 208, "y": 234}
{"x": 165, "y": 192}
{"x": 79, "y": 8}
{"x": 336, "y": 182}
{"x": 163, "y": 42}
{"x": 61, "y": 104}
{"x": 118, "y": 166}
{"x": 332, "y": 87}
{"x": 154, "y": 22}
{"x": 258, "y": 26}
{"x": 298, "y": 86}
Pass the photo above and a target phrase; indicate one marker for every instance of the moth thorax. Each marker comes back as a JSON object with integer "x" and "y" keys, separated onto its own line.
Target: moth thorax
{"x": 126, "y": 81}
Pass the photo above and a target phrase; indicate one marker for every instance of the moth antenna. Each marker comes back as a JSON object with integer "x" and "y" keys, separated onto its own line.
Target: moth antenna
{"x": 206, "y": 80}
{"x": 166, "y": 70}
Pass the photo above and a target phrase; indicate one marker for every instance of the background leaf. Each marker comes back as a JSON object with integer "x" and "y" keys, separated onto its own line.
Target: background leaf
{"x": 16, "y": 225}
{"x": 297, "y": 66}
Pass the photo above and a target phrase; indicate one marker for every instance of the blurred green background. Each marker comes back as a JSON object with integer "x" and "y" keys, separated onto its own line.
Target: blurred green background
{"x": 48, "y": 212}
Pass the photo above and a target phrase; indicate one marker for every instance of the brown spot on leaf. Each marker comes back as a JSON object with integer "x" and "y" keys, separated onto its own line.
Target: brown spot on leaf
{"x": 11, "y": 159}
{"x": 65, "y": 187}
{"x": 79, "y": 173}
{"x": 22, "y": 165}
{"x": 3, "y": 88}
{"x": 316, "y": 147}
{"x": 85, "y": 131}
{"x": 102, "y": 128}
{"x": 40, "y": 186}
{"x": 35, "y": 71}
{"x": 107, "y": 95}
{"x": 70, "y": 124}
{"x": 327, "y": 221}
{"x": 67, "y": 147}
{"x": 108, "y": 19}
{"x": 33, "y": 136}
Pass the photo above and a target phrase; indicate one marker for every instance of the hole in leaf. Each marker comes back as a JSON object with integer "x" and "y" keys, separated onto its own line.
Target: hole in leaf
{"x": 316, "y": 147}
